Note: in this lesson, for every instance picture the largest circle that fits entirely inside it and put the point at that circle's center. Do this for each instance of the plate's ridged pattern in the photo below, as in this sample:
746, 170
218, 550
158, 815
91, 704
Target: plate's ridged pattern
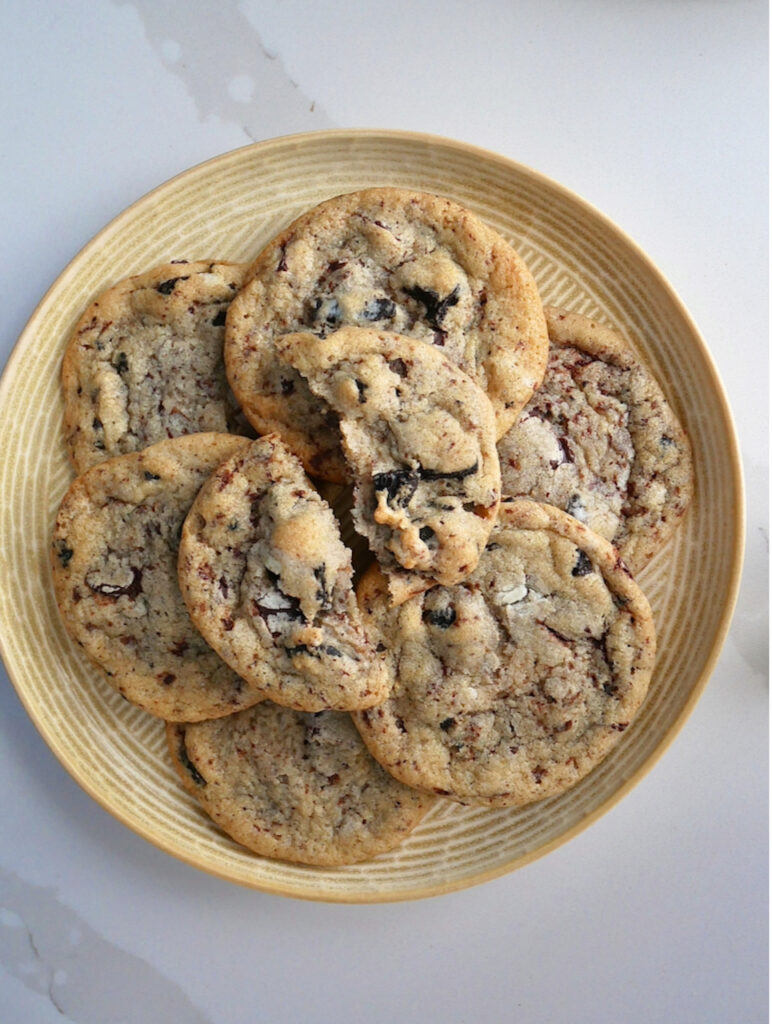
226, 209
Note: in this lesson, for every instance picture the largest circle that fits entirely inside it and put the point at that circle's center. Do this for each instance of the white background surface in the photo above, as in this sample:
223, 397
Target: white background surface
656, 112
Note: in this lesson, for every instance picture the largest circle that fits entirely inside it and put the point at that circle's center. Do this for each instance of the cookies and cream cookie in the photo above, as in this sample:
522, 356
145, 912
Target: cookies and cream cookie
420, 439
600, 440
145, 362
268, 581
512, 685
294, 785
398, 260
114, 563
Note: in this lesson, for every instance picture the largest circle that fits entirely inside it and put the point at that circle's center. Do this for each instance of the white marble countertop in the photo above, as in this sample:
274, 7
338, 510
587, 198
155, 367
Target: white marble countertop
653, 111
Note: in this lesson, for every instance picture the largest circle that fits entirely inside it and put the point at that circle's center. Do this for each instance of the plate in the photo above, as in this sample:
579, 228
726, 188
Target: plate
228, 208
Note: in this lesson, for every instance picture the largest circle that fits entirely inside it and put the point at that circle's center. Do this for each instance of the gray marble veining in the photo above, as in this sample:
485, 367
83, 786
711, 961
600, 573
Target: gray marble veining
87, 979
226, 69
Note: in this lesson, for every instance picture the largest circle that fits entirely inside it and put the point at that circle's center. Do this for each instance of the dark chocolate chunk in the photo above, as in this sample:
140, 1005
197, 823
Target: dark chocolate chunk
297, 649
314, 652
436, 308
97, 425
457, 474
322, 594
219, 320
65, 553
566, 454
399, 484
115, 590
583, 565
188, 765
291, 609
121, 363
440, 617
378, 309
326, 312
167, 287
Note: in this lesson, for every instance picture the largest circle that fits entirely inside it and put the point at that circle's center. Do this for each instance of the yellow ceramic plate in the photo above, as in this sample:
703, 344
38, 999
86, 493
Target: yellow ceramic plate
228, 208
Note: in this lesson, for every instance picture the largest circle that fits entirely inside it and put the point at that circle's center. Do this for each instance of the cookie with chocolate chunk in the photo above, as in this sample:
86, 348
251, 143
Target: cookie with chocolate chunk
145, 362
513, 685
114, 563
419, 436
268, 581
296, 786
599, 440
407, 262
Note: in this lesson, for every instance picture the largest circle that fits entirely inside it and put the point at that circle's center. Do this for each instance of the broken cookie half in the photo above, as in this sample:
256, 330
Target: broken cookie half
268, 582
419, 437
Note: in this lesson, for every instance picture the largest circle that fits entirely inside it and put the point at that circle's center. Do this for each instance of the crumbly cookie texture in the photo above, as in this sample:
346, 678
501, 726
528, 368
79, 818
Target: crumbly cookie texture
420, 438
407, 262
514, 684
268, 581
114, 563
293, 785
599, 440
145, 362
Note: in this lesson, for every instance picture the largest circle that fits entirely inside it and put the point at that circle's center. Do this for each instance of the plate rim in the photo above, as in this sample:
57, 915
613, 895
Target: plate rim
303, 139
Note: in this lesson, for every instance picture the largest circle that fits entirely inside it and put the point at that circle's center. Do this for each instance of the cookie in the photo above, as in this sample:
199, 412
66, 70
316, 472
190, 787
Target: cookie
268, 582
513, 685
296, 786
407, 262
114, 563
420, 438
145, 362
599, 440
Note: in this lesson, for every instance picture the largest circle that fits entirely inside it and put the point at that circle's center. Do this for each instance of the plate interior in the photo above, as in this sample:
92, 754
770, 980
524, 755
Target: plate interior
227, 209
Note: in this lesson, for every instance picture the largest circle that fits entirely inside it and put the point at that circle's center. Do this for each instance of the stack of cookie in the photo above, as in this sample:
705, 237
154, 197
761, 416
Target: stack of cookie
507, 470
